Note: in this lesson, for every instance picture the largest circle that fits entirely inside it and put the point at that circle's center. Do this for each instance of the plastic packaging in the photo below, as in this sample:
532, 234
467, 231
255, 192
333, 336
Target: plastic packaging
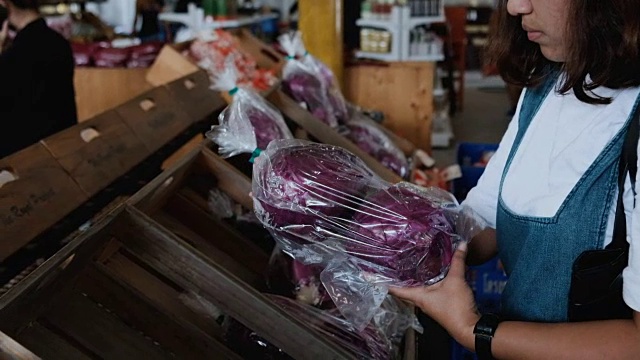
336, 99
301, 83
214, 50
293, 279
372, 140
248, 123
373, 342
325, 206
220, 204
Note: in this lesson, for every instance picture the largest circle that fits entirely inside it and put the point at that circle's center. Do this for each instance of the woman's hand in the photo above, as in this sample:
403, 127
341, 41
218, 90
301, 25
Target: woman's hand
449, 302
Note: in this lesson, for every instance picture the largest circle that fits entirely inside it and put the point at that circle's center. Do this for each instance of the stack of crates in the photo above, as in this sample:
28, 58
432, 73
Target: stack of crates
487, 280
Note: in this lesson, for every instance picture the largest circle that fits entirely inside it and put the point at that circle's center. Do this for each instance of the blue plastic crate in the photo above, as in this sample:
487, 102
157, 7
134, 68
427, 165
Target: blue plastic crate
469, 154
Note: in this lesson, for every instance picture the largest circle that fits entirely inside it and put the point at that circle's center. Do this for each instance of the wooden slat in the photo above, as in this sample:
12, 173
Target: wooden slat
49, 345
208, 248
187, 267
221, 236
230, 179
326, 134
184, 150
183, 339
169, 66
32, 296
102, 332
95, 164
156, 125
153, 195
160, 294
11, 350
98, 90
42, 195
193, 93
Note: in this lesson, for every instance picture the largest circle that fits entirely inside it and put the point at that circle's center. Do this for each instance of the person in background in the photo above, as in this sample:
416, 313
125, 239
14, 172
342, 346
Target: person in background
37, 97
556, 189
148, 11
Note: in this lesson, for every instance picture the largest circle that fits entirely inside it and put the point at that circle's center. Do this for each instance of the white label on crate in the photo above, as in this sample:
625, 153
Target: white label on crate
452, 172
424, 158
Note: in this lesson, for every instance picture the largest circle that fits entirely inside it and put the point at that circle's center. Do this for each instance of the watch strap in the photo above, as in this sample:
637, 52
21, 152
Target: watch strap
484, 330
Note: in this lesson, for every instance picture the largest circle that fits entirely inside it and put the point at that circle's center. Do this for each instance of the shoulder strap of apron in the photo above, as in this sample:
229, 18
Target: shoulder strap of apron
628, 163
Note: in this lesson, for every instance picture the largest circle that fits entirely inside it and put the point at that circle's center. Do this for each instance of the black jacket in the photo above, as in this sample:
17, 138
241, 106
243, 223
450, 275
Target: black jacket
37, 97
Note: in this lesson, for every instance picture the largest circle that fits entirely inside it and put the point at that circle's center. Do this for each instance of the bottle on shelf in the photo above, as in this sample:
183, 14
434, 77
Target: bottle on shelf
365, 10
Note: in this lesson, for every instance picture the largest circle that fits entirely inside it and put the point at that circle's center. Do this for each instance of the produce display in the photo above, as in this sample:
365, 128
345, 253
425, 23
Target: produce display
249, 122
324, 206
300, 81
217, 49
104, 55
372, 140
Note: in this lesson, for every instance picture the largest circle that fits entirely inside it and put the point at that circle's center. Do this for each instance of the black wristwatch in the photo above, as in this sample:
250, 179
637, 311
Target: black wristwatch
484, 330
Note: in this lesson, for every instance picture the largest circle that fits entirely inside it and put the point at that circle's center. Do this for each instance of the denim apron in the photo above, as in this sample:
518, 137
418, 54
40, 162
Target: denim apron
538, 252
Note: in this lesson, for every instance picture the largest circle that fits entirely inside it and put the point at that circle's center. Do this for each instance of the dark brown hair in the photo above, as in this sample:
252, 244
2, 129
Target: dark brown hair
26, 4
604, 43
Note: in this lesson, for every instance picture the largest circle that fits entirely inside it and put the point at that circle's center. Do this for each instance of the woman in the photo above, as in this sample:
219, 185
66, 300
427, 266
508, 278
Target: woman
550, 190
37, 97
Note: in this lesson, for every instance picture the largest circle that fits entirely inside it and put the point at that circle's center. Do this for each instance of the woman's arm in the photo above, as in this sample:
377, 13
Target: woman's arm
450, 303
482, 247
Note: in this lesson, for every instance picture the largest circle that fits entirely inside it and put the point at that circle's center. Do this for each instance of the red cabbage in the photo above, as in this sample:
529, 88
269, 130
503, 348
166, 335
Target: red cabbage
404, 231
376, 143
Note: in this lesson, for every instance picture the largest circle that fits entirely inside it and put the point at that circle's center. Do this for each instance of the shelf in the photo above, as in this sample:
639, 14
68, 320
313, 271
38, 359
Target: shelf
383, 24
424, 20
432, 58
188, 19
377, 56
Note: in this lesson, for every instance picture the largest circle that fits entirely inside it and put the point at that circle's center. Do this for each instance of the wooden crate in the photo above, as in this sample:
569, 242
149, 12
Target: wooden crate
40, 195
97, 152
193, 93
130, 289
99, 90
403, 91
155, 117
177, 201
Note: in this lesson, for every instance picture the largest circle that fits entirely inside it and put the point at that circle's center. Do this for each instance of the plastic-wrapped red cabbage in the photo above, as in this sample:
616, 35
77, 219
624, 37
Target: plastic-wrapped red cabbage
376, 143
304, 87
404, 231
249, 122
266, 127
82, 53
298, 181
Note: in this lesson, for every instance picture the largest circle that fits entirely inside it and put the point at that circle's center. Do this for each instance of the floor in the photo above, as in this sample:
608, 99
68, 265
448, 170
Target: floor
482, 120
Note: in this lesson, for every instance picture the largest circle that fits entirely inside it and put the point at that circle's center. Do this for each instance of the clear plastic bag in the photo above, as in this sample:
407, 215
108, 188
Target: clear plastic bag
324, 206
220, 204
334, 95
248, 123
373, 140
301, 83
291, 278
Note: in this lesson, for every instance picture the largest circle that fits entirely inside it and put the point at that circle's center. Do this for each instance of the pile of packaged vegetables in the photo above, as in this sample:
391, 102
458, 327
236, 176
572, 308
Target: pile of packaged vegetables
104, 55
216, 50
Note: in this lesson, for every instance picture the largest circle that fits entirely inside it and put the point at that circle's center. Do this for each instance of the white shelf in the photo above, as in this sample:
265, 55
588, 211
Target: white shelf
432, 58
193, 20
382, 24
377, 56
423, 20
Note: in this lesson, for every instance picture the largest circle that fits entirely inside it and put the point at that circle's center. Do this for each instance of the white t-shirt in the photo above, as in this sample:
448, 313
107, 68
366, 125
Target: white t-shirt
562, 141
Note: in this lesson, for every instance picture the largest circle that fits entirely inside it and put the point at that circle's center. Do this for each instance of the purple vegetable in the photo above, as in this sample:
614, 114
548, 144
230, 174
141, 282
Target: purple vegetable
404, 231
265, 127
304, 87
376, 143
303, 181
